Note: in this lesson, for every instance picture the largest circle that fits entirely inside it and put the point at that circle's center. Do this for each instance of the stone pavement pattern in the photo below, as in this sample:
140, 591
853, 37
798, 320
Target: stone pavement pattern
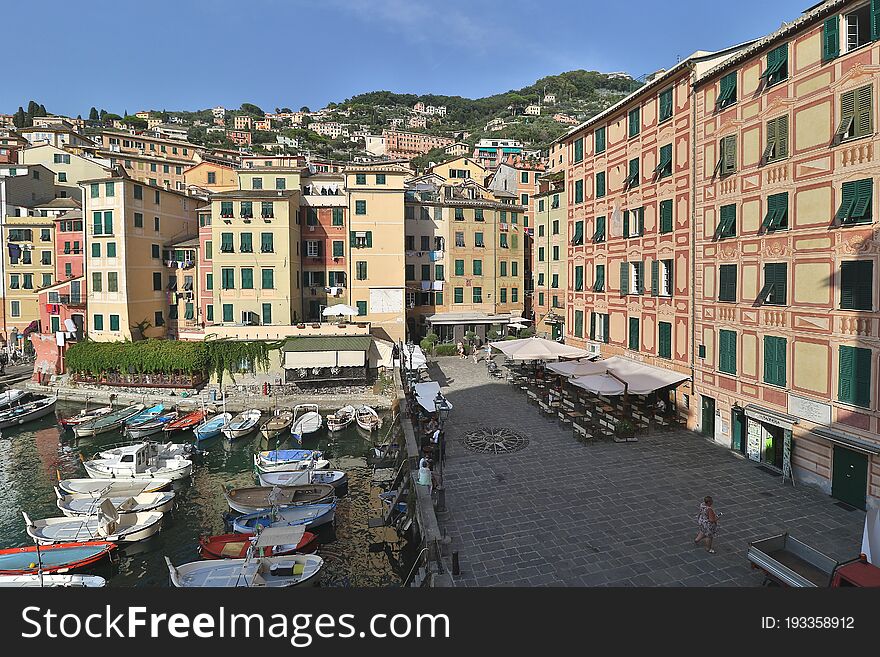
562, 513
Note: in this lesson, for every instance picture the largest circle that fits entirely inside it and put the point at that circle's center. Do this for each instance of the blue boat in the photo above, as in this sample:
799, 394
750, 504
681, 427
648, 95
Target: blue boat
277, 456
213, 427
308, 515
146, 414
60, 558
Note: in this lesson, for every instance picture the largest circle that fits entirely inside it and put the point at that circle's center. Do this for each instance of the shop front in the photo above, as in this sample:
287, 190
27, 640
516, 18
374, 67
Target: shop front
850, 464
767, 436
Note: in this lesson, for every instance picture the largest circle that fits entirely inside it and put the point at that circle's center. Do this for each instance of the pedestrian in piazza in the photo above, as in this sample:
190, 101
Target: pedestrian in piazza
461, 350
707, 519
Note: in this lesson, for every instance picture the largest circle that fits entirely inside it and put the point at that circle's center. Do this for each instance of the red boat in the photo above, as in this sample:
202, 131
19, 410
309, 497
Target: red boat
187, 421
235, 546
59, 558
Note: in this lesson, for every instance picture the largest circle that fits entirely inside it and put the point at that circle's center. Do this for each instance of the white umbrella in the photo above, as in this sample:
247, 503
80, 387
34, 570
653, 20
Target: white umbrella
418, 358
340, 309
537, 349
574, 368
426, 395
599, 384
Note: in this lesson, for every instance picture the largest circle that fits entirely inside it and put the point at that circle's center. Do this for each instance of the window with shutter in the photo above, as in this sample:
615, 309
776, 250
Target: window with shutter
665, 105
856, 114
777, 139
633, 179
666, 216
634, 333
664, 339
578, 238
635, 121
857, 285
727, 351
624, 278
578, 191
579, 278
774, 360
664, 165
599, 140
655, 278
599, 234
856, 202
854, 381
578, 150
726, 221
777, 213
774, 291
726, 91
777, 65
599, 285
578, 323
727, 160
727, 283
831, 38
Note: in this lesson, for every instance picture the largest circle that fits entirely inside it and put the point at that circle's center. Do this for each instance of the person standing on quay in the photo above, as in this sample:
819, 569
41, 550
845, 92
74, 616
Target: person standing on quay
707, 519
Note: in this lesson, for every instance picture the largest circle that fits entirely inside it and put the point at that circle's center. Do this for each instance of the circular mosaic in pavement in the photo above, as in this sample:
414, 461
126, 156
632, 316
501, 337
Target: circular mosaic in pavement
494, 440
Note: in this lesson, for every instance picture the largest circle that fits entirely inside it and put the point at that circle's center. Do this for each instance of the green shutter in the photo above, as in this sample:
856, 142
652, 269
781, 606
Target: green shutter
634, 333
655, 278
664, 340
729, 154
592, 324
606, 321
831, 38
352, 239
579, 278
666, 216
856, 285
578, 323
626, 223
774, 360
875, 19
624, 278
854, 383
863, 117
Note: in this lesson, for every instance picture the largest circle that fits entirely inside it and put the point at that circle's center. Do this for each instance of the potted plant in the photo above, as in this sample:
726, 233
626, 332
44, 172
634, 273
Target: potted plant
625, 430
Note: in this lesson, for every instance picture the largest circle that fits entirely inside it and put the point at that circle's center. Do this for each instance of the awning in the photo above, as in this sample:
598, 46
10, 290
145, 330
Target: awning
847, 440
426, 394
643, 379
326, 351
768, 416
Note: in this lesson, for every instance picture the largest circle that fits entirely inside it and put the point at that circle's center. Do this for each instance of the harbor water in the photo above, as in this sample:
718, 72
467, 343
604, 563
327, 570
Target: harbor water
33, 456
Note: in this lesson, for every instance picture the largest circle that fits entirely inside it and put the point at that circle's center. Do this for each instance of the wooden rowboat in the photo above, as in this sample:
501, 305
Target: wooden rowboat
57, 558
255, 498
235, 546
277, 424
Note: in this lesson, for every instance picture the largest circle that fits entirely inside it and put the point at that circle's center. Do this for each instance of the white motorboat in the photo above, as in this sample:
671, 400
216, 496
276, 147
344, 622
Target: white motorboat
336, 478
106, 423
306, 420
340, 419
254, 570
51, 581
10, 397
242, 424
105, 525
112, 487
165, 450
139, 461
17, 415
87, 505
367, 418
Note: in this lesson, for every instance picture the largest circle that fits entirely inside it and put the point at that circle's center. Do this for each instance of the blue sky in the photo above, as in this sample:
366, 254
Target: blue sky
184, 54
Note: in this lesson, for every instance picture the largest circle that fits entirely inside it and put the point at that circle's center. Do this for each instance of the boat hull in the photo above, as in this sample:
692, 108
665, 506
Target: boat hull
52, 581
248, 523
58, 558
240, 573
336, 478
235, 546
163, 504
100, 472
30, 416
121, 486
84, 531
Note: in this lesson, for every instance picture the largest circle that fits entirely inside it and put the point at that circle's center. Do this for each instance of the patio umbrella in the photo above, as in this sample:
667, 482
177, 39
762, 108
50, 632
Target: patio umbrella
537, 349
599, 384
418, 358
339, 310
583, 367
426, 395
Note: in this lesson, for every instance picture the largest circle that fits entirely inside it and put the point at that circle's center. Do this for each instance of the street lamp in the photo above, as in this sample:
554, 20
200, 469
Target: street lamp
441, 407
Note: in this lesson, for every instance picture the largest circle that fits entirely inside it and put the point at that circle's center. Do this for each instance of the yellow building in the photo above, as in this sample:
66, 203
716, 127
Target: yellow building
211, 177
256, 260
376, 261
550, 256
30, 265
69, 168
460, 169
127, 225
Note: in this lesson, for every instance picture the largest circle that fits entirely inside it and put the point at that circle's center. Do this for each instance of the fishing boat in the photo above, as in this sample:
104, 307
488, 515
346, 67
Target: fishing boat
139, 461
367, 418
278, 460
307, 515
112, 487
86, 505
255, 570
57, 558
213, 427
11, 396
17, 415
109, 422
340, 419
306, 420
235, 546
146, 414
151, 427
51, 581
84, 416
256, 498
185, 421
162, 449
277, 424
105, 525
242, 424
336, 478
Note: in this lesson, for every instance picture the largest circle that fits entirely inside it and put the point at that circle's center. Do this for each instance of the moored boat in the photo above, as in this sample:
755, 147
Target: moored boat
235, 546
367, 418
56, 558
52, 581
308, 515
84, 416
105, 525
340, 419
113, 486
86, 505
150, 427
139, 461
277, 424
17, 415
336, 478
306, 420
242, 424
254, 570
106, 423
278, 460
256, 498
185, 421
213, 427
146, 414
11, 396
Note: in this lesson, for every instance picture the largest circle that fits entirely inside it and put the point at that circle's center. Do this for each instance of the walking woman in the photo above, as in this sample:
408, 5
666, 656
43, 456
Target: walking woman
707, 519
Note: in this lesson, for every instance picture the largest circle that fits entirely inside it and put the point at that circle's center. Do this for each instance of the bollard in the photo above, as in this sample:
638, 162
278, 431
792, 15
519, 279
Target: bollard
455, 568
441, 499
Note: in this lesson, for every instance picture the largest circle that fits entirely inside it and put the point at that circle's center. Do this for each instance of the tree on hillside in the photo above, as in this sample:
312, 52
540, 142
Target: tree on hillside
110, 118
19, 119
135, 122
262, 136
249, 108
93, 114
101, 115
305, 108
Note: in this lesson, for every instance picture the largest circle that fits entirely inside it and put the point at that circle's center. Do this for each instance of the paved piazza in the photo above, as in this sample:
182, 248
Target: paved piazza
561, 513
